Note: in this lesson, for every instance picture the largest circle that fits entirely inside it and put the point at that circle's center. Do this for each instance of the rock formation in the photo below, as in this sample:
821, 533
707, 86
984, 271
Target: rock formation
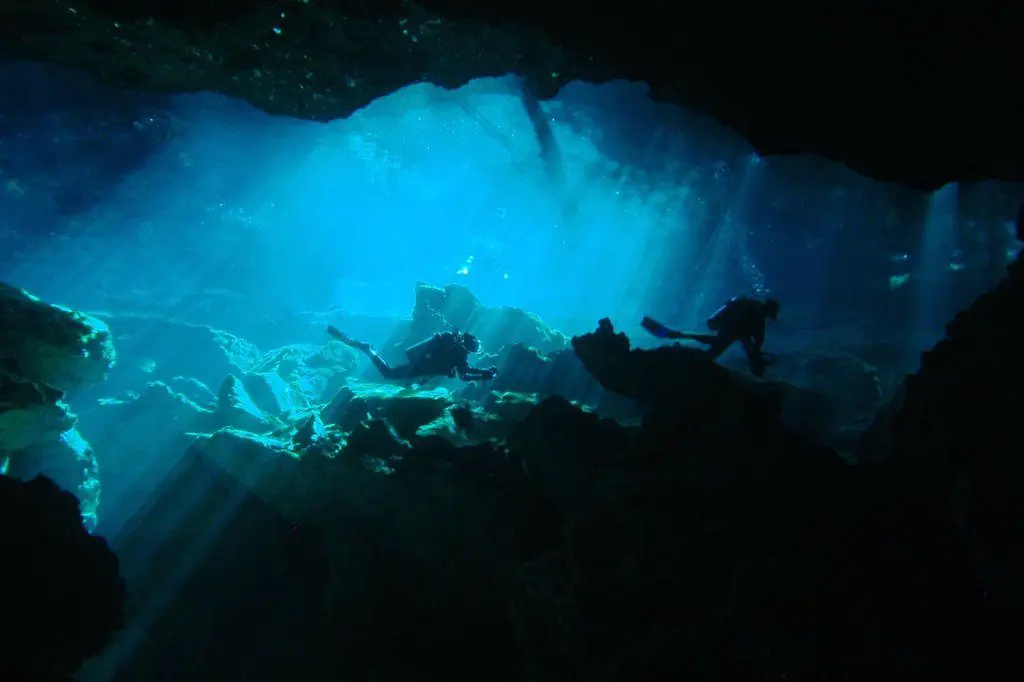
63, 596
47, 351
523, 536
763, 69
431, 532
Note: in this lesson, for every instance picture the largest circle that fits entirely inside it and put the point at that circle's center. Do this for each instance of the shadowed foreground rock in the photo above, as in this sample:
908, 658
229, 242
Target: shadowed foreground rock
707, 541
961, 416
63, 598
917, 106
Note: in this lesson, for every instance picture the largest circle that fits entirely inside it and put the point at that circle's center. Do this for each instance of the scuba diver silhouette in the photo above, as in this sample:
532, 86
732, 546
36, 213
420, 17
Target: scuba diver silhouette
740, 319
444, 354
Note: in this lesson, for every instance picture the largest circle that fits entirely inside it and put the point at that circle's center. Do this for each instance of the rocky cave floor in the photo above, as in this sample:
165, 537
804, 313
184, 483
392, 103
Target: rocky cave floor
597, 512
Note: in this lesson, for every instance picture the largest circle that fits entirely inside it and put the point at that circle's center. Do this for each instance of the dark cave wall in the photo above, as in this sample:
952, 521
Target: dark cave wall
934, 99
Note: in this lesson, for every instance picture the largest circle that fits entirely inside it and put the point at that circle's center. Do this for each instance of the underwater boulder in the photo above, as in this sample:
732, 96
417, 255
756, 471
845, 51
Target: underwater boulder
237, 409
454, 306
312, 373
272, 394
309, 432
706, 395
524, 369
463, 424
45, 352
701, 392
53, 345
512, 406
405, 408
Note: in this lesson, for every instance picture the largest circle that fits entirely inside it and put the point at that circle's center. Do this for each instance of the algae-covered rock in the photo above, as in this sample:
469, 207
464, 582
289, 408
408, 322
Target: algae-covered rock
51, 344
30, 412
454, 306
312, 373
272, 394
46, 351
236, 408
405, 408
69, 461
299, 485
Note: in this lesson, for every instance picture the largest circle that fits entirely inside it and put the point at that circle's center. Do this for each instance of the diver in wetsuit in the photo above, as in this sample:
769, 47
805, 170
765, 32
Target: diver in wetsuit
741, 319
441, 355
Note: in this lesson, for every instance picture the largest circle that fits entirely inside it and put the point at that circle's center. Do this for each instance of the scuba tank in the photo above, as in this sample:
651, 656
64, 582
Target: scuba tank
717, 318
418, 351
429, 346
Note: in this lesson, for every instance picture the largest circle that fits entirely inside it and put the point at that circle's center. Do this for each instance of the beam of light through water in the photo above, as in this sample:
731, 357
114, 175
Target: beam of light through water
250, 233
245, 222
934, 274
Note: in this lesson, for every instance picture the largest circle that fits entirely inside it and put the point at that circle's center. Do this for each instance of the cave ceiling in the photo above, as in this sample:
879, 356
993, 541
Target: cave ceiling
914, 92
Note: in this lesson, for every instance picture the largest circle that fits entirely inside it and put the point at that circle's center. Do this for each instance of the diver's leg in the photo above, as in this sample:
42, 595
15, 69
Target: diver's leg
348, 340
707, 339
719, 345
755, 359
383, 366
387, 370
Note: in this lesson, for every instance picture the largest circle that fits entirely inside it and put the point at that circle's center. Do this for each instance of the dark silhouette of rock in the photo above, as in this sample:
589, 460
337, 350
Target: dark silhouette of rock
899, 93
960, 420
63, 597
402, 534
708, 541
220, 586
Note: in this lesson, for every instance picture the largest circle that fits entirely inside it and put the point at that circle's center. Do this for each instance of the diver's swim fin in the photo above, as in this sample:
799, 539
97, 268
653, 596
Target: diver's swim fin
662, 332
658, 329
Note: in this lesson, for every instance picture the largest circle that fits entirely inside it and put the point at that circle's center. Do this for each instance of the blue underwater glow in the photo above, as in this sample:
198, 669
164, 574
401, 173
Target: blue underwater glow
244, 264
606, 205
639, 207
